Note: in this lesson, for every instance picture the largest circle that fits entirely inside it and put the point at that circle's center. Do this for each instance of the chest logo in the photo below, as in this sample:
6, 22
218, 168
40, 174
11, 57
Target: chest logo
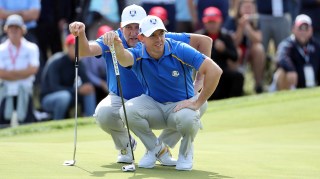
175, 73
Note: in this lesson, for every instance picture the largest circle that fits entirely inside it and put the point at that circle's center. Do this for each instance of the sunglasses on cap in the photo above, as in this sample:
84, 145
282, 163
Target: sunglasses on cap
304, 27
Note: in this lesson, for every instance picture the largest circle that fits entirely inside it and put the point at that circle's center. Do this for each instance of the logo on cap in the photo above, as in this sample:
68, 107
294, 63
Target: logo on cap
133, 13
153, 21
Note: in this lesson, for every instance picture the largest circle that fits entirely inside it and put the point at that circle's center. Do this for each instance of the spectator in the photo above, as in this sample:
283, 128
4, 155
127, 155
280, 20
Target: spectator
233, 6
96, 69
271, 14
298, 58
184, 20
169, 5
101, 12
174, 105
246, 33
58, 84
19, 62
224, 53
312, 9
161, 13
294, 7
200, 5
29, 10
48, 31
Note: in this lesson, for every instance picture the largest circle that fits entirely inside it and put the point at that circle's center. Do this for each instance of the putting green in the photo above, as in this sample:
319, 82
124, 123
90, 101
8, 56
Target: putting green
264, 136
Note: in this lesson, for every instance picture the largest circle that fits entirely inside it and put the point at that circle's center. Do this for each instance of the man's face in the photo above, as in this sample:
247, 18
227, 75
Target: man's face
213, 27
14, 32
130, 33
155, 43
247, 7
302, 33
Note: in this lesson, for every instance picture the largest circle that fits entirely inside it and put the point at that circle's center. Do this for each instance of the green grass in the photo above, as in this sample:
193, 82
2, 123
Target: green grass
273, 135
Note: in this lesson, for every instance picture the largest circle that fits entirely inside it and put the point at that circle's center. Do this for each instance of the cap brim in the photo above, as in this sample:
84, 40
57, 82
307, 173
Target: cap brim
129, 22
298, 24
23, 27
150, 31
211, 19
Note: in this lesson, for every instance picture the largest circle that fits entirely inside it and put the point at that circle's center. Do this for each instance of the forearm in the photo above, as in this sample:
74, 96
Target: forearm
198, 82
212, 73
84, 48
204, 45
254, 36
124, 57
29, 15
238, 36
193, 12
18, 74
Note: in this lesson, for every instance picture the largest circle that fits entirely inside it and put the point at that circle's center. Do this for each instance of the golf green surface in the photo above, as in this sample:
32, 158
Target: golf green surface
270, 136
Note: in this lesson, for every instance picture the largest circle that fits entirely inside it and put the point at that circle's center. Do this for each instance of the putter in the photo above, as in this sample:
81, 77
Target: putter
131, 167
73, 161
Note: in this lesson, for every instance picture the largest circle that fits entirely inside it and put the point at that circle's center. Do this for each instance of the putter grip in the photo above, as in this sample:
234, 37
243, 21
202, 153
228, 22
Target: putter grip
114, 59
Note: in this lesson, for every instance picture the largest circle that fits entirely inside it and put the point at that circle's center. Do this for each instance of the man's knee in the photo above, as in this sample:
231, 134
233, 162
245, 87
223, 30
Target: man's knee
104, 114
129, 111
106, 117
188, 121
64, 98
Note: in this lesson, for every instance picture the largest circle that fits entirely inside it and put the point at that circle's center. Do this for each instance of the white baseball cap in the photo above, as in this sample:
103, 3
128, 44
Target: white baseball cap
132, 14
150, 24
14, 19
302, 19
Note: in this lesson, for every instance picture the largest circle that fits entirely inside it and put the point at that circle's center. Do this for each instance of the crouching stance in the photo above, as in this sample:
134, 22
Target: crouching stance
171, 102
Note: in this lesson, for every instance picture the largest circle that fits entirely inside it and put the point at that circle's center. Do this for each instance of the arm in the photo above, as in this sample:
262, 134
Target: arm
85, 48
254, 35
225, 46
27, 15
13, 75
201, 43
30, 15
244, 27
238, 34
193, 13
204, 45
283, 56
198, 83
124, 57
212, 73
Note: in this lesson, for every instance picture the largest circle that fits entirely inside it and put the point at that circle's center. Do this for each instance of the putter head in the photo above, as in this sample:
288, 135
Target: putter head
129, 168
69, 163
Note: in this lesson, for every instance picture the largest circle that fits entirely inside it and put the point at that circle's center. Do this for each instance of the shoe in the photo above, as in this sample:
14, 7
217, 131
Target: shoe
185, 162
258, 89
160, 153
125, 155
165, 158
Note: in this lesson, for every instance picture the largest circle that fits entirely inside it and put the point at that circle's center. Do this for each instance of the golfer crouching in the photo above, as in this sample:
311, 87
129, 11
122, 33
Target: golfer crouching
164, 68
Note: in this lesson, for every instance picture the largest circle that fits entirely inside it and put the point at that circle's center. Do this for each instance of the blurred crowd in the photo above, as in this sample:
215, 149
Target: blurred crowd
270, 44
